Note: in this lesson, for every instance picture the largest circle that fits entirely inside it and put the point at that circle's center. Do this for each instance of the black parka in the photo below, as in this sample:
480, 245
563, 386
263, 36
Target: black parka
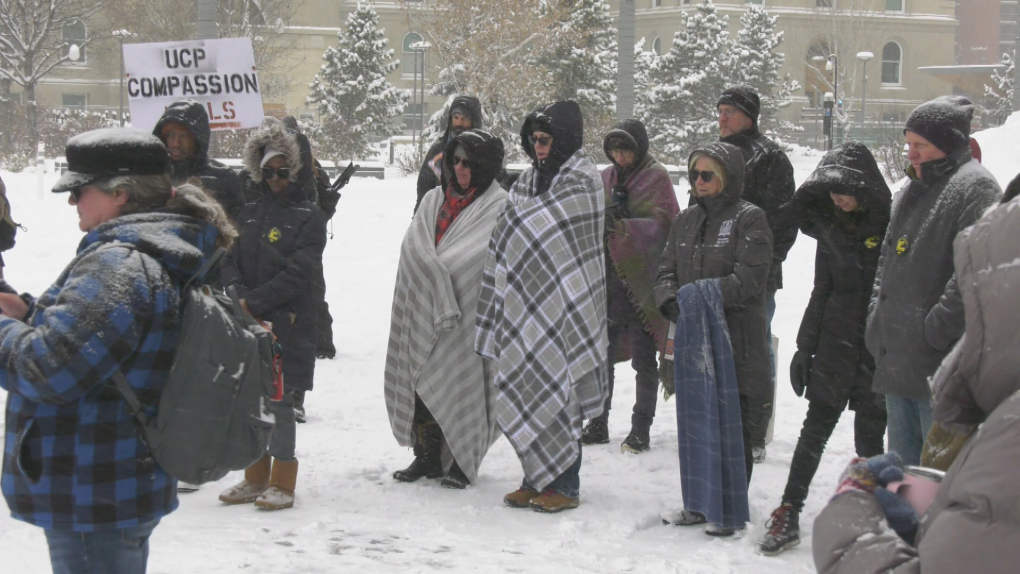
427, 178
277, 259
725, 236
220, 182
846, 258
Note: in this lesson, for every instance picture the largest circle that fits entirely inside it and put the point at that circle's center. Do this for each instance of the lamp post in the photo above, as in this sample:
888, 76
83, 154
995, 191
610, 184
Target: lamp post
827, 121
418, 48
864, 57
120, 35
831, 65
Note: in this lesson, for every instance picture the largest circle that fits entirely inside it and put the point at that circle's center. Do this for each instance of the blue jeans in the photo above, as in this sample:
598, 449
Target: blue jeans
568, 483
123, 551
909, 423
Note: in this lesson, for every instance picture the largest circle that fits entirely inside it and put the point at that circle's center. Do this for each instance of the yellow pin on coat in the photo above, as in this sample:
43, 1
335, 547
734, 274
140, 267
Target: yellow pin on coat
902, 245
274, 235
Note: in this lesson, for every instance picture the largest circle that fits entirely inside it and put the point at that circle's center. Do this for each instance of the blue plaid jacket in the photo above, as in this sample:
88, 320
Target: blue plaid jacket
73, 456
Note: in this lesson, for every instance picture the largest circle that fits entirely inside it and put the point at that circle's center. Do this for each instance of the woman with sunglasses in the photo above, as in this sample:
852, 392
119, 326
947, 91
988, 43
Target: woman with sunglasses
721, 246
438, 390
274, 266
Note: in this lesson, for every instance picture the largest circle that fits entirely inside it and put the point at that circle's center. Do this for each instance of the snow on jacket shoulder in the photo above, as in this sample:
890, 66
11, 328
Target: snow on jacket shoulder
73, 456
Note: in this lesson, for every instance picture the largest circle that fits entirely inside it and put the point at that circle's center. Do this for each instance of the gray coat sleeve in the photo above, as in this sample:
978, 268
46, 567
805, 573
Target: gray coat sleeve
851, 536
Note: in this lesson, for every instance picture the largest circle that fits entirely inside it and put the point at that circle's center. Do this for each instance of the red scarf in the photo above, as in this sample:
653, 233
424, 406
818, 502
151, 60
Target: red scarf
454, 204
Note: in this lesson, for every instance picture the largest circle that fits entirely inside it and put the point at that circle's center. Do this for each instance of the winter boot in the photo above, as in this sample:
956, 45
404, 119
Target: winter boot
520, 498
758, 453
280, 494
186, 487
784, 531
551, 501
299, 407
427, 461
636, 442
720, 531
685, 518
256, 481
595, 432
455, 478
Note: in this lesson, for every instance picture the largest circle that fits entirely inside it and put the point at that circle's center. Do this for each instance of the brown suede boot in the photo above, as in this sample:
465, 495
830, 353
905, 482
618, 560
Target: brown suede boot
256, 481
520, 498
552, 501
280, 494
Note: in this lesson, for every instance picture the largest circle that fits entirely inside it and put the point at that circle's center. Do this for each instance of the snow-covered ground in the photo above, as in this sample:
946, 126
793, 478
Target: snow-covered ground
351, 516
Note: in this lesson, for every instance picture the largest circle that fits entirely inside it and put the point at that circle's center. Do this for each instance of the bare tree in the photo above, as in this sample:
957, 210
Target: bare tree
32, 44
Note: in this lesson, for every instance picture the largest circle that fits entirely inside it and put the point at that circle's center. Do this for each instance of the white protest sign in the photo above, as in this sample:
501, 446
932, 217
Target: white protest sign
220, 74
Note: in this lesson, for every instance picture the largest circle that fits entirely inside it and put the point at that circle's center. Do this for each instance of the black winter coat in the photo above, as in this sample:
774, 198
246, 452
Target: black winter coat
220, 182
768, 184
725, 236
846, 259
427, 178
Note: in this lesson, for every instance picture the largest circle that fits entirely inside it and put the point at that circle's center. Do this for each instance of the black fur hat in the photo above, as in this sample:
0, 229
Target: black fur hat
110, 152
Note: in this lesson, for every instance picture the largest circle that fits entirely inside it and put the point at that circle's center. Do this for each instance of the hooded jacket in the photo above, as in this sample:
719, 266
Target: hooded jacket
724, 236
564, 122
635, 243
221, 183
484, 150
276, 262
846, 258
916, 313
768, 184
972, 524
74, 458
427, 178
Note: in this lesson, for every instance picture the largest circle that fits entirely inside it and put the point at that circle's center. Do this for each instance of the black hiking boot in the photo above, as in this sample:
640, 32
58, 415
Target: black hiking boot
595, 432
636, 442
455, 478
427, 460
784, 531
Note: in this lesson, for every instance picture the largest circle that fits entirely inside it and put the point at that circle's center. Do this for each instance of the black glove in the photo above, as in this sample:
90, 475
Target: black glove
618, 203
800, 371
670, 310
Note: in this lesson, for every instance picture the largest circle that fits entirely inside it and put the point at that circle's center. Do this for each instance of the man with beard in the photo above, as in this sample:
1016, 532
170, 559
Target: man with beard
465, 114
184, 129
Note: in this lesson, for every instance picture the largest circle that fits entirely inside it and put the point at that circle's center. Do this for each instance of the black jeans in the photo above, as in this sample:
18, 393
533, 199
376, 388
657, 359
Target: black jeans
643, 359
753, 419
869, 437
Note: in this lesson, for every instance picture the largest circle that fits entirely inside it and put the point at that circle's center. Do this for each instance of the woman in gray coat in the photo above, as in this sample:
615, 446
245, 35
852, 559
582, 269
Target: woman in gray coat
972, 524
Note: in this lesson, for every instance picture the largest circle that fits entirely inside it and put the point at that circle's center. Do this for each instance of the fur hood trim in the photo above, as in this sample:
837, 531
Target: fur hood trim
272, 132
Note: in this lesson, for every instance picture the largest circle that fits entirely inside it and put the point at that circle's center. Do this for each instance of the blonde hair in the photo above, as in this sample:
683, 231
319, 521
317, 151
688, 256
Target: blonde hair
154, 193
713, 165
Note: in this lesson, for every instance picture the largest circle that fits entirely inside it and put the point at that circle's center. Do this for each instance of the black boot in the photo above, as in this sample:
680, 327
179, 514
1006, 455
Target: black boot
784, 531
455, 478
427, 460
637, 441
299, 407
595, 432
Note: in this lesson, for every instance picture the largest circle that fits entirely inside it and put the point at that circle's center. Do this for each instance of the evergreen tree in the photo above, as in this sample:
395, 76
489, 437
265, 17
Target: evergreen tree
999, 98
351, 91
757, 64
679, 110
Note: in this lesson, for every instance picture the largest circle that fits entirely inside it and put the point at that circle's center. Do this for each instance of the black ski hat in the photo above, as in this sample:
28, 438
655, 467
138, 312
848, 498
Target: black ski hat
944, 121
484, 150
744, 98
630, 135
110, 152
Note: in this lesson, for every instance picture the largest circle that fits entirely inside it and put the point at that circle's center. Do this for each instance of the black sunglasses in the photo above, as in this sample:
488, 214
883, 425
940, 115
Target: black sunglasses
282, 173
76, 194
468, 164
540, 140
706, 176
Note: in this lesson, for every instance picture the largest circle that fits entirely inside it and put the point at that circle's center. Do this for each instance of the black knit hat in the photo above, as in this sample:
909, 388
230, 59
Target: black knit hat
944, 121
111, 152
744, 98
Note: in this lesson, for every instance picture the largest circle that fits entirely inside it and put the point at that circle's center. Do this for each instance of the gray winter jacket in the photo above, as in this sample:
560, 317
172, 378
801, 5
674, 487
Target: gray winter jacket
973, 525
916, 313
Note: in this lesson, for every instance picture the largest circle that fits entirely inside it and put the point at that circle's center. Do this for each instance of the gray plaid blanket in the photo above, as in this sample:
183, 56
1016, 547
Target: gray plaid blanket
542, 315
432, 330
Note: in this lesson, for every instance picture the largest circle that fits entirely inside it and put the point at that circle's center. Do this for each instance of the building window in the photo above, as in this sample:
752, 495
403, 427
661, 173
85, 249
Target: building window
823, 3
656, 3
416, 115
893, 5
74, 100
892, 64
754, 1
74, 32
408, 57
657, 46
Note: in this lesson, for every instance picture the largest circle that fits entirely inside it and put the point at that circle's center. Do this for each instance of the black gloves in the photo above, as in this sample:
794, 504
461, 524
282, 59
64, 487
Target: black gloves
800, 371
670, 310
617, 207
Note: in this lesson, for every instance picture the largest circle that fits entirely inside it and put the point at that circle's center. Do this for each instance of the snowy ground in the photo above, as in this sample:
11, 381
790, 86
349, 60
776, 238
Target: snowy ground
350, 514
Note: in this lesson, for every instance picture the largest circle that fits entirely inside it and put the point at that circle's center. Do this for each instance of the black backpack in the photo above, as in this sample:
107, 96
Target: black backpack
213, 414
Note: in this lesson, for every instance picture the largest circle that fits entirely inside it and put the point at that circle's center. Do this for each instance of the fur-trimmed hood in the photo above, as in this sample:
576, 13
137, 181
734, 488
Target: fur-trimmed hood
272, 132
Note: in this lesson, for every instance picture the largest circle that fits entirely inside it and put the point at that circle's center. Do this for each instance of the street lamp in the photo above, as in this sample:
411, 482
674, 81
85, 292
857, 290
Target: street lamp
864, 57
120, 35
418, 48
827, 120
831, 65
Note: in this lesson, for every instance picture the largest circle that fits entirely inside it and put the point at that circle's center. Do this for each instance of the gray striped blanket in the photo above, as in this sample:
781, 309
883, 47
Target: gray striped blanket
542, 315
432, 329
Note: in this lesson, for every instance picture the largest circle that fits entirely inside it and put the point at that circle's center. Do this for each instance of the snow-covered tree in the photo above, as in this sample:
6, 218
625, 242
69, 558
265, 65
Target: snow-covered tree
999, 97
351, 91
679, 109
757, 63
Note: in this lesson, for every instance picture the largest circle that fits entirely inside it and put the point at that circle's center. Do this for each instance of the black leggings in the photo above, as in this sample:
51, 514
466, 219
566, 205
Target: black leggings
869, 440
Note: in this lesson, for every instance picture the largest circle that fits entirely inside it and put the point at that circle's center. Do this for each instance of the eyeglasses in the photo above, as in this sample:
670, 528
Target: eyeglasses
282, 173
728, 113
706, 176
540, 140
468, 164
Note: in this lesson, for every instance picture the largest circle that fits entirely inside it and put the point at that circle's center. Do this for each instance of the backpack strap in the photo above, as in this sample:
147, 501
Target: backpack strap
212, 263
130, 397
